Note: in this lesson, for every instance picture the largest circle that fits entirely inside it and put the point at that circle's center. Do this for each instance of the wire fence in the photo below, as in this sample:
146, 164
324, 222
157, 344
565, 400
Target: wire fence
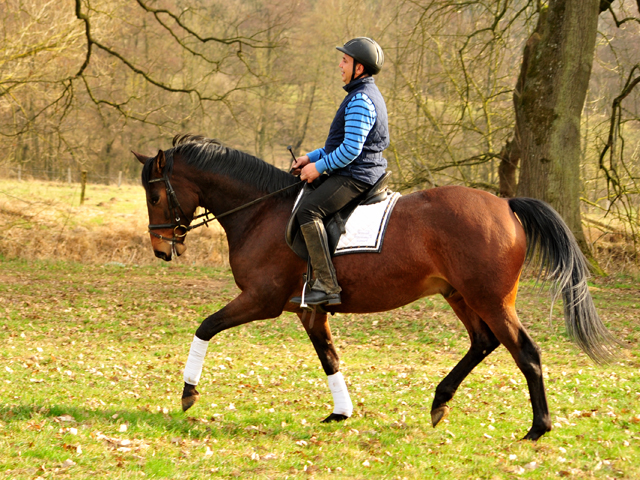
69, 175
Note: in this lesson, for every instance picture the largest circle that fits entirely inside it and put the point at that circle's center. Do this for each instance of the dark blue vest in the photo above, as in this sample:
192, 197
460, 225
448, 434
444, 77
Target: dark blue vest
370, 165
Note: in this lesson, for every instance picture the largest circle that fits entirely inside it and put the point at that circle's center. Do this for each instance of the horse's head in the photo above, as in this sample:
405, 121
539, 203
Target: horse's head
170, 202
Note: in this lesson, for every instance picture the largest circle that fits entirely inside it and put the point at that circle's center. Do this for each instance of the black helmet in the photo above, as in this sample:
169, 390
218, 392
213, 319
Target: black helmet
366, 52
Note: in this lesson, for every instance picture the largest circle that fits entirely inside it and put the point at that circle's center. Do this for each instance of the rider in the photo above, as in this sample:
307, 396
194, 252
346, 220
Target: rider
352, 158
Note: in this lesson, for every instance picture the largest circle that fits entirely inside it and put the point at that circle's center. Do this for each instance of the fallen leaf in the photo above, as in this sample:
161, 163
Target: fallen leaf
64, 418
517, 469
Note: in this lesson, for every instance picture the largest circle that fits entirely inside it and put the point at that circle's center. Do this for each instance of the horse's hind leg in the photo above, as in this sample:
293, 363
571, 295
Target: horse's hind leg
317, 327
508, 329
483, 342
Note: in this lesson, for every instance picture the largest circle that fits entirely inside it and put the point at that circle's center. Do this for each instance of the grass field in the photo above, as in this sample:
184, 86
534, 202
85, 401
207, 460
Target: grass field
91, 360
96, 332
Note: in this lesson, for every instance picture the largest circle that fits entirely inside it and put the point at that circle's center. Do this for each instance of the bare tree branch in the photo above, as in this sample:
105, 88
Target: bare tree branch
611, 172
92, 41
87, 26
240, 40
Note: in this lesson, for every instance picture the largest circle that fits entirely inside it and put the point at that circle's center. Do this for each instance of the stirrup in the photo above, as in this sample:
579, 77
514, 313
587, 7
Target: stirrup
317, 297
301, 299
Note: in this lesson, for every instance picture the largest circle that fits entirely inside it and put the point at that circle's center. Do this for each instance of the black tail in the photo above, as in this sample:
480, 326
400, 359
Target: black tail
552, 246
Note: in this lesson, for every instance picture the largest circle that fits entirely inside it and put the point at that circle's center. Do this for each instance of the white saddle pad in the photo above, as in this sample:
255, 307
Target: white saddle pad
366, 227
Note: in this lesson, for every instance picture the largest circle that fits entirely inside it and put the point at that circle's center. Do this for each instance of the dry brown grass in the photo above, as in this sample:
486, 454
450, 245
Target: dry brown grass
43, 220
613, 246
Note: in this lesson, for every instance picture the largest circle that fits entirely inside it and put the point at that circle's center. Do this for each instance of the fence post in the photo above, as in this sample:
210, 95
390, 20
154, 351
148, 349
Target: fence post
84, 185
69, 175
19, 173
119, 178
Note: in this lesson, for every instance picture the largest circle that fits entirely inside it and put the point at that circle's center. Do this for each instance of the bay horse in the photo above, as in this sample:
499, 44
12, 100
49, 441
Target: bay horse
467, 245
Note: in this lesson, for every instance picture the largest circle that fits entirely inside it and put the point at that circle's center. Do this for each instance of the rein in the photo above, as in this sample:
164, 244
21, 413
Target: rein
176, 210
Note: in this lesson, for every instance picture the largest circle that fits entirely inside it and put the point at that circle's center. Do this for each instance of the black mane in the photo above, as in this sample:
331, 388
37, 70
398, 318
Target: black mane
210, 155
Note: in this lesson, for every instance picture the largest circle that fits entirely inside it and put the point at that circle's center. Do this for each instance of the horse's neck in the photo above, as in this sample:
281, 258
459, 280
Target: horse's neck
251, 210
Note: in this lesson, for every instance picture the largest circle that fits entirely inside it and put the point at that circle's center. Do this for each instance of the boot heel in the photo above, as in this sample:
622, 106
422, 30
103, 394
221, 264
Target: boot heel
335, 301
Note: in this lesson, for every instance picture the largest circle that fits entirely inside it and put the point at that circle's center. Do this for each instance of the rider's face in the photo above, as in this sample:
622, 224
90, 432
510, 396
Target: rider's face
346, 68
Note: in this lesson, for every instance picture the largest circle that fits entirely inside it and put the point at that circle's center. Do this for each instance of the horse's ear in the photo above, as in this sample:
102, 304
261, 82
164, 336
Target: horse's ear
141, 158
160, 162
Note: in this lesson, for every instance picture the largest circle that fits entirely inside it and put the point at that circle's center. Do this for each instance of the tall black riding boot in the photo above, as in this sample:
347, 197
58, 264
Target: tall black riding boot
325, 289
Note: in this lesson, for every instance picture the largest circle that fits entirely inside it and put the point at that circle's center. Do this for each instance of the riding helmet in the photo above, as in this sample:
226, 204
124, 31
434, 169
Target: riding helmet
366, 52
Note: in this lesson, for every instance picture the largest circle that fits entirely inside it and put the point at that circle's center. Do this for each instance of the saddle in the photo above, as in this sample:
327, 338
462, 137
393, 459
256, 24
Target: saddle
334, 224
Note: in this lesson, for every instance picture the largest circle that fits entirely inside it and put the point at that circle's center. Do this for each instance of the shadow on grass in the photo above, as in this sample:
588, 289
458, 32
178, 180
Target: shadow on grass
174, 423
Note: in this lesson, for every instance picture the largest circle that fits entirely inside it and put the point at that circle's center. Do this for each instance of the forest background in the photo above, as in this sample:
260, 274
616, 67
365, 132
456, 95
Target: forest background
84, 82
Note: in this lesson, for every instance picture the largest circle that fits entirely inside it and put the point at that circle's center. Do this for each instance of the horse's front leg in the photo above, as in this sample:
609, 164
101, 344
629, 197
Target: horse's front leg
241, 310
317, 327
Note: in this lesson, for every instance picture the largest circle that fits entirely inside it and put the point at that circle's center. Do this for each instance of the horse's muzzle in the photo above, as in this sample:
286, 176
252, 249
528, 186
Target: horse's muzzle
163, 255
165, 250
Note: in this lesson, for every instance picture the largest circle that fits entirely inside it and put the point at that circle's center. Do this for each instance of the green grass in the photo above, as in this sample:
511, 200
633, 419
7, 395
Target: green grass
91, 361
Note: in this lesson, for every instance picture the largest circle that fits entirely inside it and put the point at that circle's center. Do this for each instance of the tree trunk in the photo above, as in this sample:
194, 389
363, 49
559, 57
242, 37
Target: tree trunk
548, 102
509, 159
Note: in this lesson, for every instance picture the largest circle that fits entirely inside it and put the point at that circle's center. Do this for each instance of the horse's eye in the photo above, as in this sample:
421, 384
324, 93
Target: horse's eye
155, 199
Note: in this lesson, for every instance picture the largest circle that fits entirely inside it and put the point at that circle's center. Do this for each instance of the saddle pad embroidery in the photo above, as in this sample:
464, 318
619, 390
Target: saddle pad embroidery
366, 227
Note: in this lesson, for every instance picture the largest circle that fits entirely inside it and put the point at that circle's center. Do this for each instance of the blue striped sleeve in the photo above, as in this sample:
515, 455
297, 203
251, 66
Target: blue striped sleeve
316, 155
360, 115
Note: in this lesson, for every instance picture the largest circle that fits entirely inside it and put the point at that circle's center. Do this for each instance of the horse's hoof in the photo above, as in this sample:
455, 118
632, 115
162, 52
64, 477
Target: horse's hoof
187, 402
439, 414
189, 396
532, 437
335, 417
535, 433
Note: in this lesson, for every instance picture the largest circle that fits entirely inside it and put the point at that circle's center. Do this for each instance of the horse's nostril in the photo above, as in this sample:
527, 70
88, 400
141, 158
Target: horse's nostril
163, 255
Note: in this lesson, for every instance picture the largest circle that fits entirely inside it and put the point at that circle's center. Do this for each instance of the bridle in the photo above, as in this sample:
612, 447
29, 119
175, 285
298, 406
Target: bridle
177, 213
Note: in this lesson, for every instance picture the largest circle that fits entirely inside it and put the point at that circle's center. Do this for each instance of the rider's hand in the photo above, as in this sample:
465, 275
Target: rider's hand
309, 173
298, 164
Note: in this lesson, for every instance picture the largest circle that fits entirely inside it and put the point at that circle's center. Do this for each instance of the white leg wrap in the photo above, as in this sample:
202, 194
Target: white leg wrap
341, 399
193, 369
